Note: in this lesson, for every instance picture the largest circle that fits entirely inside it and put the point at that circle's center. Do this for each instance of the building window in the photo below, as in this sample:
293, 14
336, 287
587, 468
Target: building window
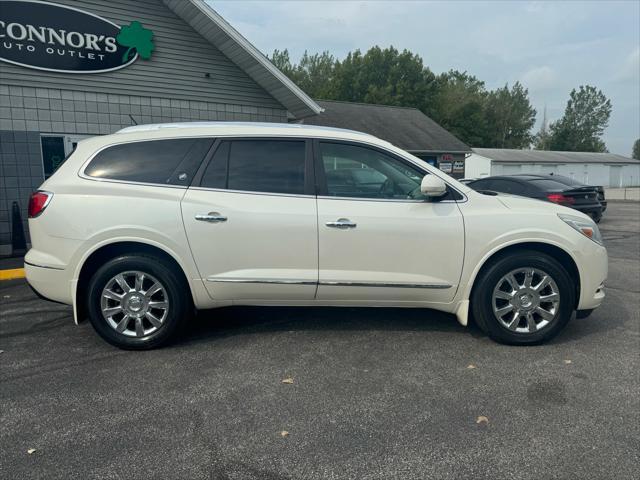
53, 154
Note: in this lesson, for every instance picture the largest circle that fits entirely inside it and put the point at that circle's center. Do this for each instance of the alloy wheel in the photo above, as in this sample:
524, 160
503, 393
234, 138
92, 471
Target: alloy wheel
526, 300
134, 303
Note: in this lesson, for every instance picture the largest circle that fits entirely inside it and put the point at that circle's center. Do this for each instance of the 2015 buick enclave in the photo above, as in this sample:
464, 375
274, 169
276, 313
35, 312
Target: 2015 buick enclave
139, 228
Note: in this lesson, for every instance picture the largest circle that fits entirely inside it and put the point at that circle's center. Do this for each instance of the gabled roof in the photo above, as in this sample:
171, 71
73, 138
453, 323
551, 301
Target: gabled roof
506, 155
407, 128
208, 23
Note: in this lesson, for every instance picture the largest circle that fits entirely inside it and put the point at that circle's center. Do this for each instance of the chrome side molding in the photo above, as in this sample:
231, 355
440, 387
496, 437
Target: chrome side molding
262, 280
329, 283
437, 286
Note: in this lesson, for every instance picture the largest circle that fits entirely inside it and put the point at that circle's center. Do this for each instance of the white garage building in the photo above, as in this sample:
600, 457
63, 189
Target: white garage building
606, 169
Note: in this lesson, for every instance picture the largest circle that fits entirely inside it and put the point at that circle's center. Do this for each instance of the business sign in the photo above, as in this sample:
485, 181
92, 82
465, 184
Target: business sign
458, 166
57, 38
445, 167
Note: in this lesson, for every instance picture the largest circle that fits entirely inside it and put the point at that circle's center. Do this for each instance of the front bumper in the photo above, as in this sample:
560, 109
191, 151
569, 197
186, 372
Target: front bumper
593, 264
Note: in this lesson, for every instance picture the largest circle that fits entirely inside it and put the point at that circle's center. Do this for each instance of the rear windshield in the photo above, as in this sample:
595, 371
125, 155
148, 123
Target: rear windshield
567, 180
172, 162
548, 184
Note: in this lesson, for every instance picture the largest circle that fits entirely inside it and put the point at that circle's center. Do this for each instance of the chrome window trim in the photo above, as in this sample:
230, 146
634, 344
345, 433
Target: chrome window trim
223, 190
213, 136
86, 163
395, 200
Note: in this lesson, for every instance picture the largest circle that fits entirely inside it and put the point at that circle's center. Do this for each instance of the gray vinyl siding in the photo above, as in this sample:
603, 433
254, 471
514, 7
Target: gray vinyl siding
170, 87
176, 69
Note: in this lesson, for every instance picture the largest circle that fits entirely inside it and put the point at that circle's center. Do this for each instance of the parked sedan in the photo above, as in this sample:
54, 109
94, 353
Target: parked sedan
138, 229
544, 187
575, 183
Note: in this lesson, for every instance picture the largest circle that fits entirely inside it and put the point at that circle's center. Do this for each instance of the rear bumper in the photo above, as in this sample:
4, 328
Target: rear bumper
49, 283
589, 208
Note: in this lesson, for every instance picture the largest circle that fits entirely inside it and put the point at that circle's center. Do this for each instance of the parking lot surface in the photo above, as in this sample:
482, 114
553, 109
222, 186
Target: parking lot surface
376, 393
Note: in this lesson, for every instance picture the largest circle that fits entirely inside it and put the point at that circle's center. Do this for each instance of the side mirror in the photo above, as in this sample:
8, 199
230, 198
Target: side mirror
433, 187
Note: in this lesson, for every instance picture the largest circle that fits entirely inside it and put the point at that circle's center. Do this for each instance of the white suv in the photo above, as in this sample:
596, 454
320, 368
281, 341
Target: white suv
138, 229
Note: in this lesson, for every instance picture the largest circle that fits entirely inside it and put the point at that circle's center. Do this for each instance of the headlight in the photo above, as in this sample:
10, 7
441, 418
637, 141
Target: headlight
588, 228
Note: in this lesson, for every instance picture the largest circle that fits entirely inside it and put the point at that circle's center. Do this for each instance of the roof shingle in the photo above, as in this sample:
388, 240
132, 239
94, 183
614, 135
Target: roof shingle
407, 128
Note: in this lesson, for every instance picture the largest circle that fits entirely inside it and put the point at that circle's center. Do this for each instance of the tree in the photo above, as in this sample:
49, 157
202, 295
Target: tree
282, 62
316, 74
636, 150
384, 76
509, 118
457, 102
585, 119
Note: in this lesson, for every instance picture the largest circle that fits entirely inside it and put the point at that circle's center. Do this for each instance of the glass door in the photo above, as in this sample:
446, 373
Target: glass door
56, 149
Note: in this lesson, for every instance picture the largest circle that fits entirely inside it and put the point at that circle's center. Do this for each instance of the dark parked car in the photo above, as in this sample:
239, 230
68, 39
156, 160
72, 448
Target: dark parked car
575, 183
545, 187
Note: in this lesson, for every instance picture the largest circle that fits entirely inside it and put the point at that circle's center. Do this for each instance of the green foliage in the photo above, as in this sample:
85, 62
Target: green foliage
510, 117
383, 76
585, 118
135, 36
460, 102
636, 150
457, 102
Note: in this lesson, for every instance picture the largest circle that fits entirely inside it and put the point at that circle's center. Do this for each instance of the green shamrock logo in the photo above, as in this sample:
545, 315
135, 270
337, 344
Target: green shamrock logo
137, 38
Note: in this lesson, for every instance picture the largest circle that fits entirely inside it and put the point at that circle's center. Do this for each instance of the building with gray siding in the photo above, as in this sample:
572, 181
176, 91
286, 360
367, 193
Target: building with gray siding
198, 68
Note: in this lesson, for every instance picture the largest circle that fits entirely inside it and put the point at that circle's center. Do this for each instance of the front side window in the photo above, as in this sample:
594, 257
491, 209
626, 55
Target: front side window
361, 172
270, 166
172, 162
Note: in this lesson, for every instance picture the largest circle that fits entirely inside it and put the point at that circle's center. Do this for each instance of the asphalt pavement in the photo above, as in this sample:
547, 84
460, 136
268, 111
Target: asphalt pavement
376, 393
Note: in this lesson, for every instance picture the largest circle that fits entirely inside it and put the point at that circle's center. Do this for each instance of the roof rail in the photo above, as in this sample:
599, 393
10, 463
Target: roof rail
160, 126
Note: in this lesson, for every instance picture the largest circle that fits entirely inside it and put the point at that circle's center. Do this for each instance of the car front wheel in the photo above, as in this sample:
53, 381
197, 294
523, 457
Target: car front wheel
523, 298
138, 302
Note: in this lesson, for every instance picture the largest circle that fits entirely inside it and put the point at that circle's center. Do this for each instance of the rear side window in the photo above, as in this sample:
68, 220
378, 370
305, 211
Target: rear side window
270, 166
172, 162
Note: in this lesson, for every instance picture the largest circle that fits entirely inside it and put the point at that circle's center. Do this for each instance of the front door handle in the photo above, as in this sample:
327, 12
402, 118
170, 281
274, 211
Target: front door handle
211, 217
341, 223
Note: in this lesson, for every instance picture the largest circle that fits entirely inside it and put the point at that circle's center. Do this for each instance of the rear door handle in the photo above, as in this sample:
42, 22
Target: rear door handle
211, 217
342, 223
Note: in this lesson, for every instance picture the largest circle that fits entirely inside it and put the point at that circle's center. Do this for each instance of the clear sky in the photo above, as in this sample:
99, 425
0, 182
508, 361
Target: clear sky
551, 47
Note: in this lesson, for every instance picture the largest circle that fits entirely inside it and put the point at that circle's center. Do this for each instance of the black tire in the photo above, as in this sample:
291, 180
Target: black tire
179, 300
482, 297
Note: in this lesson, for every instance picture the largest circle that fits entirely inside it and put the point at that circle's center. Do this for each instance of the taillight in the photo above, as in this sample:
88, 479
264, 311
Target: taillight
38, 202
560, 198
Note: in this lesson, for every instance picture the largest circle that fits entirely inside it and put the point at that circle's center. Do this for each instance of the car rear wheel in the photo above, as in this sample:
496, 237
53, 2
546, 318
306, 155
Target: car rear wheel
138, 302
523, 298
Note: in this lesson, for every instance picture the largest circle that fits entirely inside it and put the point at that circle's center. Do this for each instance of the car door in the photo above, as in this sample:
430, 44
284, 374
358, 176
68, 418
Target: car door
251, 220
383, 244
